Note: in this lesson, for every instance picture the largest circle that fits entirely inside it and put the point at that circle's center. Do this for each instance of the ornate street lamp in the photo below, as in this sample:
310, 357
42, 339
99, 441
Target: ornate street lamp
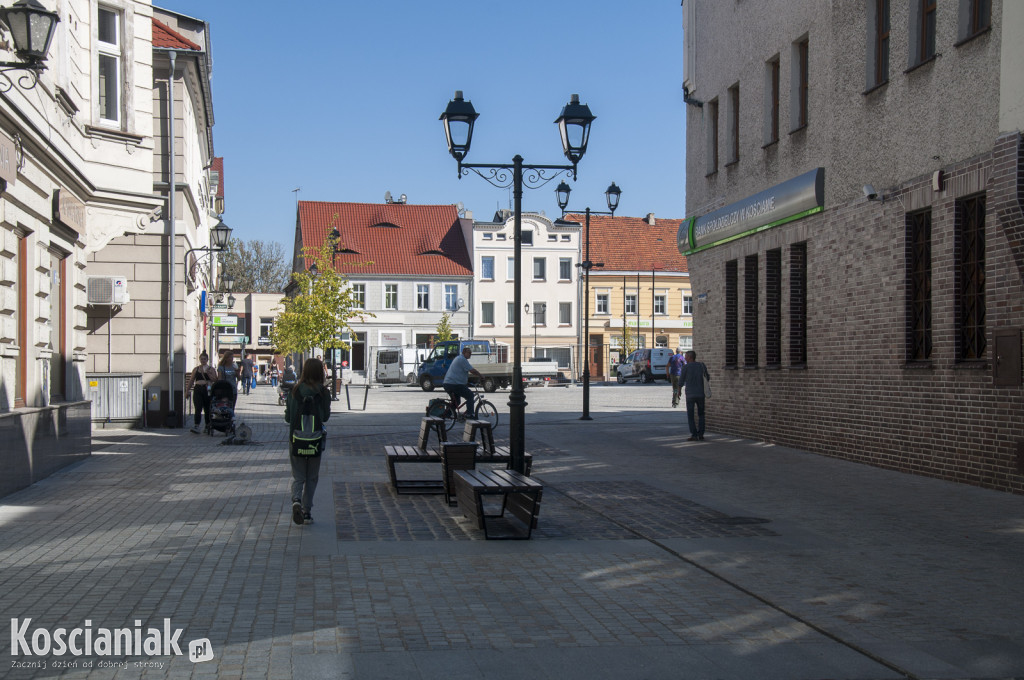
31, 26
611, 195
574, 128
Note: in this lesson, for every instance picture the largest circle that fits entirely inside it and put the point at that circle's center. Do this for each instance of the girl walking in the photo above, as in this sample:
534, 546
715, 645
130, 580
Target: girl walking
306, 468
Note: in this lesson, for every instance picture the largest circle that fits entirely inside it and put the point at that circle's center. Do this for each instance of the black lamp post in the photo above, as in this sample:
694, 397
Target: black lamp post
611, 195
574, 128
31, 27
219, 237
334, 238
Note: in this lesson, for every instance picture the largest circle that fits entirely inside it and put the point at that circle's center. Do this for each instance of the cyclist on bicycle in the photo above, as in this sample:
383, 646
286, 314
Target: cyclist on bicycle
456, 381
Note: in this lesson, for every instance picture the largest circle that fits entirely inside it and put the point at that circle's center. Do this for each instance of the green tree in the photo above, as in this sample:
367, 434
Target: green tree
628, 338
258, 266
444, 328
323, 308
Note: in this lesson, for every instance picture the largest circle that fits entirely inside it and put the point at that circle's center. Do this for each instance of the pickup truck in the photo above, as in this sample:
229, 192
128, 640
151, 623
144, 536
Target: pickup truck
495, 374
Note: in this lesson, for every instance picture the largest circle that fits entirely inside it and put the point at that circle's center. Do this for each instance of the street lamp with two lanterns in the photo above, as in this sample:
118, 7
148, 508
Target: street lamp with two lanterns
574, 123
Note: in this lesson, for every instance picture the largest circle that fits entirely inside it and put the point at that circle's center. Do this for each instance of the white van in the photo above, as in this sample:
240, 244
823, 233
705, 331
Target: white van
645, 365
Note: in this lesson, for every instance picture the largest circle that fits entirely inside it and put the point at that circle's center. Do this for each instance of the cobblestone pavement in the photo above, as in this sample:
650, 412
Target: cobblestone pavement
654, 558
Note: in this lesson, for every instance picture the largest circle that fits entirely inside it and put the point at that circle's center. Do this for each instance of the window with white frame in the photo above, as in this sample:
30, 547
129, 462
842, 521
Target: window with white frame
564, 313
539, 268
487, 267
390, 296
422, 296
451, 297
266, 324
359, 295
488, 237
510, 313
659, 304
526, 237
510, 272
602, 307
109, 64
565, 269
486, 313
631, 303
687, 305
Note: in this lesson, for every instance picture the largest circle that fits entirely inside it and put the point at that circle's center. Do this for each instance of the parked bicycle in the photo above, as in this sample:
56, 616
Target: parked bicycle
452, 414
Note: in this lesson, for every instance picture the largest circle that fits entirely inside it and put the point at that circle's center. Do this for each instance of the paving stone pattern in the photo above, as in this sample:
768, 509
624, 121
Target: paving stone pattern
636, 571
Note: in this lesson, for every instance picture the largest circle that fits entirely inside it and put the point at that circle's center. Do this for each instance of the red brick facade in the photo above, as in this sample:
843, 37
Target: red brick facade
858, 397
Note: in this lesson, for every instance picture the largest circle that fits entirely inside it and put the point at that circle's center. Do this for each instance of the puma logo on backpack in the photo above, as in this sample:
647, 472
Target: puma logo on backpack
307, 433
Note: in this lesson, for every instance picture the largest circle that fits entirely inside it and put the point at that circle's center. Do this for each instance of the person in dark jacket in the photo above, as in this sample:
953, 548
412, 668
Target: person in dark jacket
693, 376
306, 469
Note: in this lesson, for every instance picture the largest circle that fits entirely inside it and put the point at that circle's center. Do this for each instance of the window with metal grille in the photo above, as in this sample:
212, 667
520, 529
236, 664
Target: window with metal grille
750, 320
919, 286
970, 284
731, 314
798, 304
773, 308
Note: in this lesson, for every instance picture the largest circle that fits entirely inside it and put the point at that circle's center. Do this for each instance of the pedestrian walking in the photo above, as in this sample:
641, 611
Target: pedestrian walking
674, 371
199, 381
246, 371
227, 370
307, 409
693, 376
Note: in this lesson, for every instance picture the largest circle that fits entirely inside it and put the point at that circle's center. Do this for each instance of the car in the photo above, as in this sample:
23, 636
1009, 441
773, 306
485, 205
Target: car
645, 365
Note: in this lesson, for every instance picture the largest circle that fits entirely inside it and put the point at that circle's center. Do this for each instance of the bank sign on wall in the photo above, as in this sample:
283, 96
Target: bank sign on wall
792, 200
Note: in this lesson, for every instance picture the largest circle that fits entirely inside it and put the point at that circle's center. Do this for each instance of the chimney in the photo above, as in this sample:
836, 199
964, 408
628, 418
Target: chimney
650, 219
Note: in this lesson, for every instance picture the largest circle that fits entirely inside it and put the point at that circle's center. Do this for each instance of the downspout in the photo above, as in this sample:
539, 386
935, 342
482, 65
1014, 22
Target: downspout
171, 415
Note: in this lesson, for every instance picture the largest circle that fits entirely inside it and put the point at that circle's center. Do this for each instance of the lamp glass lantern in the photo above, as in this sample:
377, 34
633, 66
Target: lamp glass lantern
562, 194
574, 127
458, 118
31, 27
220, 235
612, 194
227, 281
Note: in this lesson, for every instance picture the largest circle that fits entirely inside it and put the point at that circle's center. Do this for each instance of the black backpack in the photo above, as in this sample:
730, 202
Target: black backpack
307, 434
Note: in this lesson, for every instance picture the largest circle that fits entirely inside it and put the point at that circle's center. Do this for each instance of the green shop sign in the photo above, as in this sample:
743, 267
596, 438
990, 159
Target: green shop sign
792, 200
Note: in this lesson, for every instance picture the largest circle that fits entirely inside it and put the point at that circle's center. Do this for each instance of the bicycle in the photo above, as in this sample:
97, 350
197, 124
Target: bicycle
485, 411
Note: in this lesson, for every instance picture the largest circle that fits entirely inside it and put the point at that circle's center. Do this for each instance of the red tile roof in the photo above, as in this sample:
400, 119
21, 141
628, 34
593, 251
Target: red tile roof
397, 238
631, 244
166, 37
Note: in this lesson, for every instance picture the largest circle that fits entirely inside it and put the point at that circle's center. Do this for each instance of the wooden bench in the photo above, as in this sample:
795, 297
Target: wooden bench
520, 496
412, 454
456, 456
432, 424
486, 434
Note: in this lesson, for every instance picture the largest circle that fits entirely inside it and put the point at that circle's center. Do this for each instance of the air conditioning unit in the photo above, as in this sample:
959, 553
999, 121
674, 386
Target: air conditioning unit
107, 290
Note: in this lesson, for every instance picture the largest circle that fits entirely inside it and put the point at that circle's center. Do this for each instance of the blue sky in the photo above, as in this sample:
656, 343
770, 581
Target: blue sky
342, 99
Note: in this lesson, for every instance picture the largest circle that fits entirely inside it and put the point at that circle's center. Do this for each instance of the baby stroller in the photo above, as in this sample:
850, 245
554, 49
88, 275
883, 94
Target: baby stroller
288, 381
222, 407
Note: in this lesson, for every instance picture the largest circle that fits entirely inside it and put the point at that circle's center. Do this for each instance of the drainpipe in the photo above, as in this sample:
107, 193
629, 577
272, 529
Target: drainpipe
171, 415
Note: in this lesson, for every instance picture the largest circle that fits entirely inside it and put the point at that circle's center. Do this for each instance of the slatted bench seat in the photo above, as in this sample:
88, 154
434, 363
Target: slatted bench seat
520, 497
502, 454
413, 454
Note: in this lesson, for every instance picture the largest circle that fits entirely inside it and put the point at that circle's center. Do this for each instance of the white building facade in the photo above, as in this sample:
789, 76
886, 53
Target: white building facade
550, 286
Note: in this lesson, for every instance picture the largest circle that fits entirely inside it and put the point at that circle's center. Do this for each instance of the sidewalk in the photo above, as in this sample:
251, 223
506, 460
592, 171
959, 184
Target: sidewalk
654, 557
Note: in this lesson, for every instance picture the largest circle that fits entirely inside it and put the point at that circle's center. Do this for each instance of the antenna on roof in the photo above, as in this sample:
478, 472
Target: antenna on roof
461, 208
387, 197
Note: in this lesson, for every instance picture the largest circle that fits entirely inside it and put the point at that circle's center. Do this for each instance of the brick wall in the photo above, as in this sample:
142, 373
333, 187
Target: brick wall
857, 397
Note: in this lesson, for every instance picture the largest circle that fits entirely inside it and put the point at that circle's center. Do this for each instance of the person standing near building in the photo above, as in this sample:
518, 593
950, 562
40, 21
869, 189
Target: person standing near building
456, 381
199, 382
693, 375
226, 370
246, 371
674, 371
